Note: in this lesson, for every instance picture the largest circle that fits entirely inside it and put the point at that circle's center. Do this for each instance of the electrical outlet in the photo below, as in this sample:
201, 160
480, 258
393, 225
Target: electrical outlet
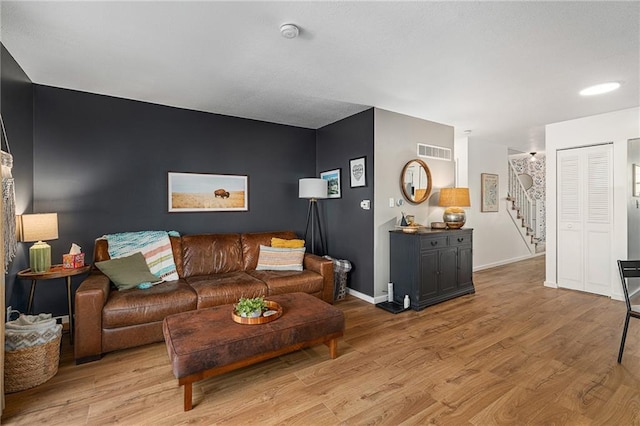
62, 319
392, 202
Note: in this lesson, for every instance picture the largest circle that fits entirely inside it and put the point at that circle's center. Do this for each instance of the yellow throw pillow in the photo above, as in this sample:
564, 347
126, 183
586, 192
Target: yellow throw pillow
282, 243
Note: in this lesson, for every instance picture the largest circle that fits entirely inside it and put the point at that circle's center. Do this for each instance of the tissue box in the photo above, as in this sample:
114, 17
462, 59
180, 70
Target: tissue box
72, 261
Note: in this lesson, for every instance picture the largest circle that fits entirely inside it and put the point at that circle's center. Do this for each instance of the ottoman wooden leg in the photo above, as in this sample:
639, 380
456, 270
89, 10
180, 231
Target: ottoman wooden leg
188, 393
333, 348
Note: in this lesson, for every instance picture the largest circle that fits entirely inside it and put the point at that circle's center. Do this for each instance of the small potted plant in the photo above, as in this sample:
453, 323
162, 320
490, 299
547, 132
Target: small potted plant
250, 307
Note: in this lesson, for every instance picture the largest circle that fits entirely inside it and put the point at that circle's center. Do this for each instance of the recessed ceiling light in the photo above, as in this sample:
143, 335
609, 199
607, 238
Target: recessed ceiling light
289, 31
599, 89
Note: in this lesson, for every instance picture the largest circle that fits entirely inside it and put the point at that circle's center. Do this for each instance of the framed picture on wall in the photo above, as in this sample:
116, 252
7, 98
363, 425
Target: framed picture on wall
333, 182
196, 192
489, 192
358, 172
636, 180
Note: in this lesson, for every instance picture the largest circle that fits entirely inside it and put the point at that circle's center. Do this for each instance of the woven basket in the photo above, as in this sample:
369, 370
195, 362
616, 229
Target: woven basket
29, 367
340, 285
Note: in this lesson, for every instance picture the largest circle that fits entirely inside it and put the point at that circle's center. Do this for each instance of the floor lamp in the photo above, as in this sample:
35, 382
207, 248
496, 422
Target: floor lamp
313, 189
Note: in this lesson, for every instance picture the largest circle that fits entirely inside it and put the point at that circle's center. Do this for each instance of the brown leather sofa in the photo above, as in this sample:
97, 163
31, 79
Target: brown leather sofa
214, 269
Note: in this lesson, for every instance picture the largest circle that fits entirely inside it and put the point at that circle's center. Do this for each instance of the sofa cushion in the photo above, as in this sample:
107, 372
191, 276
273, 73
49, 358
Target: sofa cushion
135, 306
222, 289
251, 245
279, 282
209, 254
127, 272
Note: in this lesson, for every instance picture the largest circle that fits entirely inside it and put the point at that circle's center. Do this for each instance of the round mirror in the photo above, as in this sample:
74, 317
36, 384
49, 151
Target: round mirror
526, 180
415, 181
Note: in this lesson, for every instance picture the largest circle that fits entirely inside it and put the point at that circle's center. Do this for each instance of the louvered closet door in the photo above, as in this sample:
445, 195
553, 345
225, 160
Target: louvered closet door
585, 218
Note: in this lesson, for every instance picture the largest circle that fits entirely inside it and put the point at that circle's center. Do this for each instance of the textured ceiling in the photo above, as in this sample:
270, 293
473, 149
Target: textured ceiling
500, 69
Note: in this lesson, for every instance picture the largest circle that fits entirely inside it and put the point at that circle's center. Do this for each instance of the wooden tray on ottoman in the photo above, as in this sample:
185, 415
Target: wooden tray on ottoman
207, 342
273, 306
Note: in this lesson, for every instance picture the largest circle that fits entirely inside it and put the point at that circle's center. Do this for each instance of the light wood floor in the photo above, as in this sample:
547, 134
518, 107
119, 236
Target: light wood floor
513, 353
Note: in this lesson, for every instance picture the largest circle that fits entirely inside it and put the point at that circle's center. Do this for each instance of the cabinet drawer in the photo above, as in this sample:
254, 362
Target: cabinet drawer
433, 242
459, 240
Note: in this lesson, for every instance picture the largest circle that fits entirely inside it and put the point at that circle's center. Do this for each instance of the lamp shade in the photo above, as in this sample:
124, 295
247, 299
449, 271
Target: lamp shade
38, 227
454, 197
313, 188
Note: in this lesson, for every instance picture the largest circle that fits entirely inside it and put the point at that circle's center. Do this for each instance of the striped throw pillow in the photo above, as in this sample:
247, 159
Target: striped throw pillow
280, 259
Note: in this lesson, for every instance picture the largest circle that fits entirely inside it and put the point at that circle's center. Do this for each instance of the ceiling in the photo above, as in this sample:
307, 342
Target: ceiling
500, 69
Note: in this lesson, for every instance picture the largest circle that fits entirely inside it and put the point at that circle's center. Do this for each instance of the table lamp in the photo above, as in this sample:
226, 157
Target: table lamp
313, 189
38, 227
454, 199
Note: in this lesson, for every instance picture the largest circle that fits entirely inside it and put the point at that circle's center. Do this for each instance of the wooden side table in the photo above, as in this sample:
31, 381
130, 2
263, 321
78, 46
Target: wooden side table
56, 271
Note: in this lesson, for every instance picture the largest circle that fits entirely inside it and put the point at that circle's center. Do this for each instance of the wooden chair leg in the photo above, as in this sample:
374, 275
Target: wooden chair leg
624, 337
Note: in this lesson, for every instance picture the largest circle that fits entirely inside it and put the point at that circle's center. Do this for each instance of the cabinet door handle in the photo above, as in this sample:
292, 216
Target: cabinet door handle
434, 243
460, 239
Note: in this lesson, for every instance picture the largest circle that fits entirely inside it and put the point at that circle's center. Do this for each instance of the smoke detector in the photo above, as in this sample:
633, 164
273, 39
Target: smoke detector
289, 31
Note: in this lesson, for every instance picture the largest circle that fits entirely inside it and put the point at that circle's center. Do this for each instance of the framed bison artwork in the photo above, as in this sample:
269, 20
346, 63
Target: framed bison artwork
195, 192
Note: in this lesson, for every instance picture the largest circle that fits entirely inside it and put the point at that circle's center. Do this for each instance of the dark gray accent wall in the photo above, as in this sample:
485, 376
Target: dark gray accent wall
16, 105
349, 228
101, 163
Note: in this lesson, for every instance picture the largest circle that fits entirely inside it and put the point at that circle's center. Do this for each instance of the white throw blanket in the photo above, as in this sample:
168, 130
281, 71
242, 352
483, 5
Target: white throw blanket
31, 330
155, 246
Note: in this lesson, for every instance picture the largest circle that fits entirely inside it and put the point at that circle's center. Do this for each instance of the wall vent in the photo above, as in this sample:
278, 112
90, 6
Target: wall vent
435, 152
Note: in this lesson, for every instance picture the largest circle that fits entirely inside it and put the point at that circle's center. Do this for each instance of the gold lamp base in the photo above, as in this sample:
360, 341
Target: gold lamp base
454, 217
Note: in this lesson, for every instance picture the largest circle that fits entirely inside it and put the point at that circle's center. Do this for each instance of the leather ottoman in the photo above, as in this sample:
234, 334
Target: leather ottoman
207, 342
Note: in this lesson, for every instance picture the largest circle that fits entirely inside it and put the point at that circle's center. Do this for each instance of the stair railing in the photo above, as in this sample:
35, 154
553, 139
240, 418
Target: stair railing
521, 201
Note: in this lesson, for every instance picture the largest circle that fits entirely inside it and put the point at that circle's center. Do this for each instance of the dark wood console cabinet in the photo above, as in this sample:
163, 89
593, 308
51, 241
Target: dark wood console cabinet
431, 266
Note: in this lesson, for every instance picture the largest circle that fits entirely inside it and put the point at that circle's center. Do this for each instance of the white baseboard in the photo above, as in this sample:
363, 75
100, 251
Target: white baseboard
506, 262
367, 298
550, 284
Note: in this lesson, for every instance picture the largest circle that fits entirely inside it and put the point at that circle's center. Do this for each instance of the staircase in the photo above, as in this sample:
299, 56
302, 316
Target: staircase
523, 211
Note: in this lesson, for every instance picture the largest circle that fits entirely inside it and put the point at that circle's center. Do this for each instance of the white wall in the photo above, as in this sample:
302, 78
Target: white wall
616, 127
633, 203
461, 155
496, 239
396, 137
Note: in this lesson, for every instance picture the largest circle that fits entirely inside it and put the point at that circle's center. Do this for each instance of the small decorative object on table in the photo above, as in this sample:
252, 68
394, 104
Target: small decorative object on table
410, 228
74, 259
255, 310
403, 221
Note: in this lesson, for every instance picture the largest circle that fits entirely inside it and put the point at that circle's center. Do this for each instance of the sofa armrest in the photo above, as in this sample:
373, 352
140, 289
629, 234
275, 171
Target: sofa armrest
90, 298
323, 267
